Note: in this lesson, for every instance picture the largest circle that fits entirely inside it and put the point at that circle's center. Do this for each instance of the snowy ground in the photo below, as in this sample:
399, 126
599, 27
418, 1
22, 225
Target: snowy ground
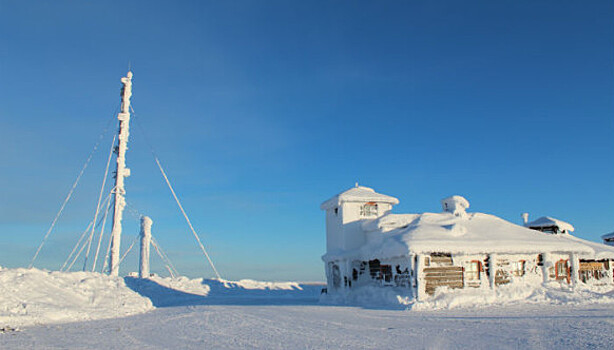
327, 327
199, 313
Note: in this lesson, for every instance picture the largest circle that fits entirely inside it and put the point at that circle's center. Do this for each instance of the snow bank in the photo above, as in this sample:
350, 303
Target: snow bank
194, 286
552, 293
32, 296
251, 284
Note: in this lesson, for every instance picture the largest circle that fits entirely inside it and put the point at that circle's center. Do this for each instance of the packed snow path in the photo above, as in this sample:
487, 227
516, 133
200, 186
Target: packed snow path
328, 327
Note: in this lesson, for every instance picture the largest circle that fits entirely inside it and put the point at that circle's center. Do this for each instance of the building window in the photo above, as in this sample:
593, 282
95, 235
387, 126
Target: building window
472, 272
336, 211
368, 209
518, 268
386, 273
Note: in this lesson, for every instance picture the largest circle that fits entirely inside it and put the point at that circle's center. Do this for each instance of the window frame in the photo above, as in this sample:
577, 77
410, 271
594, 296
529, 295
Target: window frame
473, 275
369, 209
519, 272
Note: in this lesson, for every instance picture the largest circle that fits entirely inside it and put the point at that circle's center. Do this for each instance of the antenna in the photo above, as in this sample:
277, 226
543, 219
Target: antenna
525, 218
121, 173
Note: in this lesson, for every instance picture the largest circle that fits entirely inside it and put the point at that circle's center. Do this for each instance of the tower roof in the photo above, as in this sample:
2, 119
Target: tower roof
358, 194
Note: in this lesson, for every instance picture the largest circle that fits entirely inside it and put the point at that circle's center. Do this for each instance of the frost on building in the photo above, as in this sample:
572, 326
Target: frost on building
368, 245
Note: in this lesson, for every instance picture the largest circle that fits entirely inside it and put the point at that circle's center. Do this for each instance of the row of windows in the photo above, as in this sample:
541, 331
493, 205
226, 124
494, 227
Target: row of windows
366, 210
473, 270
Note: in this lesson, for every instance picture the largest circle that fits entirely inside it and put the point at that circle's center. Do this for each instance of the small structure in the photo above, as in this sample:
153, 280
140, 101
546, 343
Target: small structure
550, 225
368, 245
608, 238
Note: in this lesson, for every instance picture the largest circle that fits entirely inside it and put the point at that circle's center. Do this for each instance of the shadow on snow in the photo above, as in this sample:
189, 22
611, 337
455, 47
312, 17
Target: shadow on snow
221, 293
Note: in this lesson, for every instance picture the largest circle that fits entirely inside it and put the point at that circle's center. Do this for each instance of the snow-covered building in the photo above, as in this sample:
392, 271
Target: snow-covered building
368, 245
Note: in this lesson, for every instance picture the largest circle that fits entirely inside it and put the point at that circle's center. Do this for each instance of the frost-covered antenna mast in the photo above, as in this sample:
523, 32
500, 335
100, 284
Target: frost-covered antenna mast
121, 173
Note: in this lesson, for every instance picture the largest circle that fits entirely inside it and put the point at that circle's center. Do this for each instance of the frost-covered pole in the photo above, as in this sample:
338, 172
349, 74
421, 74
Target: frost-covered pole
344, 275
546, 264
492, 266
412, 266
420, 281
575, 268
145, 242
121, 173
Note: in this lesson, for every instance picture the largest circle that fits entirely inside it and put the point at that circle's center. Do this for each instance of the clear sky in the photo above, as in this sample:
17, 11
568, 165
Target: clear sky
261, 110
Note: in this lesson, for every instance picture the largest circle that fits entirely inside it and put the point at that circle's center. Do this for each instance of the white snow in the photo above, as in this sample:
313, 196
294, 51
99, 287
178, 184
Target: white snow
309, 326
389, 222
219, 314
526, 292
32, 296
456, 205
600, 251
475, 233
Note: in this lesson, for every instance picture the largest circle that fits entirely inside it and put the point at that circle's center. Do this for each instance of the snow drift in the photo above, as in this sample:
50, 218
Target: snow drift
182, 291
32, 296
552, 293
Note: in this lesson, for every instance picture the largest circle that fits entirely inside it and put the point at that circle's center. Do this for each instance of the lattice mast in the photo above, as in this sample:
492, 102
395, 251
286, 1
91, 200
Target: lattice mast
120, 174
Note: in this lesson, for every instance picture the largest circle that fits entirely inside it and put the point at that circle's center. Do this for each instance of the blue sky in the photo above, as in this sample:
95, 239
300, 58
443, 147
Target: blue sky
261, 110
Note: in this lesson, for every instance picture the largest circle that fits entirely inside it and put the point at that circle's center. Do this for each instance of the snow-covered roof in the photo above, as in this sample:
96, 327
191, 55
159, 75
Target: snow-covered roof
601, 251
546, 221
358, 194
608, 236
389, 222
475, 233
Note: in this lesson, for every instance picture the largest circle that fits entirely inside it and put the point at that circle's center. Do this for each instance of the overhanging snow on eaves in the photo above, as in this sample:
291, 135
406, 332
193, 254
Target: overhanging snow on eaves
358, 194
475, 234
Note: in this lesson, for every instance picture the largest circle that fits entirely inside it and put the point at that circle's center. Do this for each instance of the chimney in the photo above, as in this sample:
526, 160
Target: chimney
525, 218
